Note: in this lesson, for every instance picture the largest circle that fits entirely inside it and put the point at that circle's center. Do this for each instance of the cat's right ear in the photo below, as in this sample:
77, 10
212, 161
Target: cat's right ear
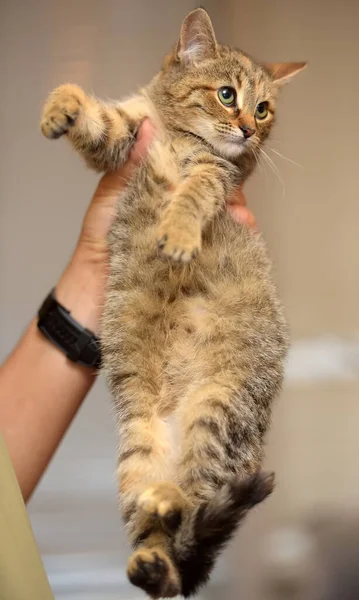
197, 41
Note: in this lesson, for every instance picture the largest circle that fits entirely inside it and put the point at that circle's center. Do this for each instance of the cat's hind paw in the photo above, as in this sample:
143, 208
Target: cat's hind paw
166, 502
153, 571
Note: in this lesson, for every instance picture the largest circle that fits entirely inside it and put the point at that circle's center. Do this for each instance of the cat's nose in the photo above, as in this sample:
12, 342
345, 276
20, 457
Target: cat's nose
247, 131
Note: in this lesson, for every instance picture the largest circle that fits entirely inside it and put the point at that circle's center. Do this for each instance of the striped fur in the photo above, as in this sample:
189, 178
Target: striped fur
192, 328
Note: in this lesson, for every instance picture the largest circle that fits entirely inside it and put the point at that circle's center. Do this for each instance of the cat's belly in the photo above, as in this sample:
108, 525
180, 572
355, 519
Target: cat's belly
187, 325
230, 253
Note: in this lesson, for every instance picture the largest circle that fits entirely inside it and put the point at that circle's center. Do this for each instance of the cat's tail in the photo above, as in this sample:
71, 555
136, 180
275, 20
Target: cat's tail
205, 531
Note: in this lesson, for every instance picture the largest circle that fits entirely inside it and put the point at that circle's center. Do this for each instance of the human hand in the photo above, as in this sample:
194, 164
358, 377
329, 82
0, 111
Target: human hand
81, 288
237, 207
101, 212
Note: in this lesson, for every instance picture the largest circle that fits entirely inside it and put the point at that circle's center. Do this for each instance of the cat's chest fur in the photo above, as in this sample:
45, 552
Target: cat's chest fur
135, 260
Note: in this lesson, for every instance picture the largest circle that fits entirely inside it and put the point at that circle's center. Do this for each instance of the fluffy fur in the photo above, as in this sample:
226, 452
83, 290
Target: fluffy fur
192, 327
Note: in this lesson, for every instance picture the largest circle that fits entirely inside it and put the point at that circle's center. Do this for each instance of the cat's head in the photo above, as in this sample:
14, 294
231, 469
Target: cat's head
218, 93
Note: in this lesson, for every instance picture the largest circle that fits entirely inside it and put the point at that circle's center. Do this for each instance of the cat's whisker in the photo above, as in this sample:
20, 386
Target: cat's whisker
277, 140
255, 154
274, 168
284, 157
270, 163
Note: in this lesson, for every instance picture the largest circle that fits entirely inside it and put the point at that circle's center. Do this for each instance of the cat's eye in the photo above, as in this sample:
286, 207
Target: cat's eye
262, 110
227, 95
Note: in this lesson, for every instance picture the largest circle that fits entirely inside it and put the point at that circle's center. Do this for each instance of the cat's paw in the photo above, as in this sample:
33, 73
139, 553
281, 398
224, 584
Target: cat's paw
179, 241
153, 571
61, 110
165, 501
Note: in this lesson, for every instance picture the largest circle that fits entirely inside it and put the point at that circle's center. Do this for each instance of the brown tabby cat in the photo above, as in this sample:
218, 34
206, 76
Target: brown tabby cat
192, 325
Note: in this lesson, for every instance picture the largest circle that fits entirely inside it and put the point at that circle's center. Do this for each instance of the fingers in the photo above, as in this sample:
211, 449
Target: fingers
237, 207
238, 198
144, 138
242, 214
113, 183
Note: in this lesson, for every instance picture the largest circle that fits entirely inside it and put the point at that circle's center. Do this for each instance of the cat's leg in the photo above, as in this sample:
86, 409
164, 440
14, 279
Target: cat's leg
195, 202
151, 567
230, 349
165, 501
133, 342
154, 510
222, 439
102, 133
144, 458
219, 473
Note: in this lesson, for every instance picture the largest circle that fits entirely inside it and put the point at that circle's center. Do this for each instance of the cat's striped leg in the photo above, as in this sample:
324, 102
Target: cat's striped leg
222, 440
218, 470
196, 201
102, 133
144, 458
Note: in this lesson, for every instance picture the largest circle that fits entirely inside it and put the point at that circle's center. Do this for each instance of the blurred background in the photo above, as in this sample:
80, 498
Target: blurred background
303, 544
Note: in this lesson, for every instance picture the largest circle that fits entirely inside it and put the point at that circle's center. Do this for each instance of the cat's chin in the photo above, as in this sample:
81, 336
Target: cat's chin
231, 149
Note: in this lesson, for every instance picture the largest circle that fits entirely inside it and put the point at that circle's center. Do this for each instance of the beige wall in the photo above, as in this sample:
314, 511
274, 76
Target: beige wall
112, 47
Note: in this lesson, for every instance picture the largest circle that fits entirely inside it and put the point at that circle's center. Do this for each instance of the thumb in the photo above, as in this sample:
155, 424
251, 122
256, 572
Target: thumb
111, 184
144, 138
242, 214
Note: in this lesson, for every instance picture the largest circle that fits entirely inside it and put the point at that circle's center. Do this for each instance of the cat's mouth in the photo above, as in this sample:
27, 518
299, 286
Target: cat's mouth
236, 139
239, 142
234, 146
243, 143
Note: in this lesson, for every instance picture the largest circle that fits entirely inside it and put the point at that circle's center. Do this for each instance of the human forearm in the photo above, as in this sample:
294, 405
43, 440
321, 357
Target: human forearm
40, 389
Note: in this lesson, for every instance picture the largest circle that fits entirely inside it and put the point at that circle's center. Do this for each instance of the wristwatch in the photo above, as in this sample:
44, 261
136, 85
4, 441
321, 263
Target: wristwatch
79, 344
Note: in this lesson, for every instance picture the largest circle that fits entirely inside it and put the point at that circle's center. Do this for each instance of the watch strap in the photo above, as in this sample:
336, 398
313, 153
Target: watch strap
78, 343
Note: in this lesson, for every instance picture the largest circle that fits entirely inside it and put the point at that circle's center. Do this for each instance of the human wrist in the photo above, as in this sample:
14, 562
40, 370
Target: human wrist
81, 287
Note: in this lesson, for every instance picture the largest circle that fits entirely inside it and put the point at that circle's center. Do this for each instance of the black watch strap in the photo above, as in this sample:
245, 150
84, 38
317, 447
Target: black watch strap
79, 344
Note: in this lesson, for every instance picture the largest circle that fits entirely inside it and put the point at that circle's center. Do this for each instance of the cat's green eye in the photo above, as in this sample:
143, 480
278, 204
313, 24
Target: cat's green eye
262, 110
227, 95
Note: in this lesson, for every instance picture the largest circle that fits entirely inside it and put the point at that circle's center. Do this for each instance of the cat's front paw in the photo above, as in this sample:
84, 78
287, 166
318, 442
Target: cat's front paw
179, 241
61, 110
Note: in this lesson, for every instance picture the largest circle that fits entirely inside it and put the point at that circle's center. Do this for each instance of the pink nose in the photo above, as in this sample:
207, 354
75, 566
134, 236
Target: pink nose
247, 131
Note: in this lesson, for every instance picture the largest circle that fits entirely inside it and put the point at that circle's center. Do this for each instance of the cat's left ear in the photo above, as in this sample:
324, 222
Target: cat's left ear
282, 73
197, 41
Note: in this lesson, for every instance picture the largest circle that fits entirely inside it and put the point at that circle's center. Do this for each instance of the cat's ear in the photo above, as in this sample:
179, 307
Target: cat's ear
197, 41
282, 73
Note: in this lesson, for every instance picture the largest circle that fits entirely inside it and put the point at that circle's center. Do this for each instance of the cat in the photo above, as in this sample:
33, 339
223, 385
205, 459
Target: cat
192, 329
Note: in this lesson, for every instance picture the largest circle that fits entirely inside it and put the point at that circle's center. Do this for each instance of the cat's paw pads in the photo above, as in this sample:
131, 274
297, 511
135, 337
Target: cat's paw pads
61, 111
179, 243
164, 501
153, 571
